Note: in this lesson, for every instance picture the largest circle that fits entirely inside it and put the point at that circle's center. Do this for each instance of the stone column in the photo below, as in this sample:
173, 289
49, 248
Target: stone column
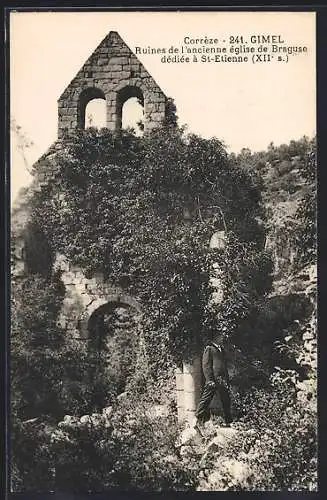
188, 389
180, 394
192, 372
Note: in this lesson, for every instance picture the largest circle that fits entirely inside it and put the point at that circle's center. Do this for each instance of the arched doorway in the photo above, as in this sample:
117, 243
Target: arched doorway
114, 338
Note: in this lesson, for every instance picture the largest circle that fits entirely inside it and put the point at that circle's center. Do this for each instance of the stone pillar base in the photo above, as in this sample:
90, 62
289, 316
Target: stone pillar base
188, 389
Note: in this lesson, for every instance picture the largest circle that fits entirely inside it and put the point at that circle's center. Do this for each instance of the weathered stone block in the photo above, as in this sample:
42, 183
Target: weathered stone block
116, 67
111, 125
180, 397
103, 61
68, 278
118, 60
189, 401
70, 288
180, 413
189, 416
179, 381
124, 74
98, 74
191, 382
135, 66
162, 108
192, 367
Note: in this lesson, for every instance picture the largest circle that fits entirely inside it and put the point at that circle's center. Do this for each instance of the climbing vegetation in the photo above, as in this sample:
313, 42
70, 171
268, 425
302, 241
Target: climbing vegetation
142, 211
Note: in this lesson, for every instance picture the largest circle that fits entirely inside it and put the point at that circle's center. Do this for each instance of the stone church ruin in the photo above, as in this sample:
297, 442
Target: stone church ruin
112, 73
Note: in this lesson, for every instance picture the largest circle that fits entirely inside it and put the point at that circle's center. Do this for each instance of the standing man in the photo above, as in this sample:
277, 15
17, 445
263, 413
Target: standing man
214, 366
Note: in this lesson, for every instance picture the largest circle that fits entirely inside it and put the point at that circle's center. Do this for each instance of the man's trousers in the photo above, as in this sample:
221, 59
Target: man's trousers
203, 413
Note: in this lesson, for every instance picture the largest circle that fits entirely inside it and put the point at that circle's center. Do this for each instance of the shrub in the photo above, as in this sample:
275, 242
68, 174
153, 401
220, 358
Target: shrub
127, 448
31, 457
275, 447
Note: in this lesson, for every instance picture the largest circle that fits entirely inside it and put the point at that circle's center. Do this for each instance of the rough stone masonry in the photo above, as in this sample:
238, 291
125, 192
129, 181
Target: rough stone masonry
112, 73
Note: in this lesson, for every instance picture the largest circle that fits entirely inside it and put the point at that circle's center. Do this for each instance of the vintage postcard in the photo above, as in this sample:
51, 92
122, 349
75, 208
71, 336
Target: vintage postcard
163, 251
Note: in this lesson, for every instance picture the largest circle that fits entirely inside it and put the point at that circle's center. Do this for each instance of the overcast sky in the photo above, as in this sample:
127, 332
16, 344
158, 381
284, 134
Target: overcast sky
244, 105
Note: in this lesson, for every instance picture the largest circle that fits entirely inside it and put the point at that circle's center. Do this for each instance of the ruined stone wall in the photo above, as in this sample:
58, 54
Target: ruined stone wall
115, 74
86, 295
112, 73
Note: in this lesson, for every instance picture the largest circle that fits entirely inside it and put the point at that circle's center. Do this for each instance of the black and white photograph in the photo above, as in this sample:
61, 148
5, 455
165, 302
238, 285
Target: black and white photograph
163, 328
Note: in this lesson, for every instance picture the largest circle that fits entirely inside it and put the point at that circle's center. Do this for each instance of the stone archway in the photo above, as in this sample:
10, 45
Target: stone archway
114, 336
103, 303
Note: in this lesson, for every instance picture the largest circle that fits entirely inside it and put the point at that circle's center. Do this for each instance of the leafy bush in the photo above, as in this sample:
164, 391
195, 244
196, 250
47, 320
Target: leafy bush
36, 343
127, 447
275, 447
31, 458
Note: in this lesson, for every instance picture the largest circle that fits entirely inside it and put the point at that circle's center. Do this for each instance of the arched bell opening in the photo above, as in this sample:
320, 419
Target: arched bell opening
92, 108
130, 109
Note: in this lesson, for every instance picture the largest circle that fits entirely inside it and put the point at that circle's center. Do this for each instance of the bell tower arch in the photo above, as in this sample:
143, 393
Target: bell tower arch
113, 73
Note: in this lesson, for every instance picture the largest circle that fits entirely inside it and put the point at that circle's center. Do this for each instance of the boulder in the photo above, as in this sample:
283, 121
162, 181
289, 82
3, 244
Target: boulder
189, 436
107, 411
223, 436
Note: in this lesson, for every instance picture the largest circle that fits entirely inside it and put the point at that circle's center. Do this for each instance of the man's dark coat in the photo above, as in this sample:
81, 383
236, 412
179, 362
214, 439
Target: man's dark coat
214, 364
